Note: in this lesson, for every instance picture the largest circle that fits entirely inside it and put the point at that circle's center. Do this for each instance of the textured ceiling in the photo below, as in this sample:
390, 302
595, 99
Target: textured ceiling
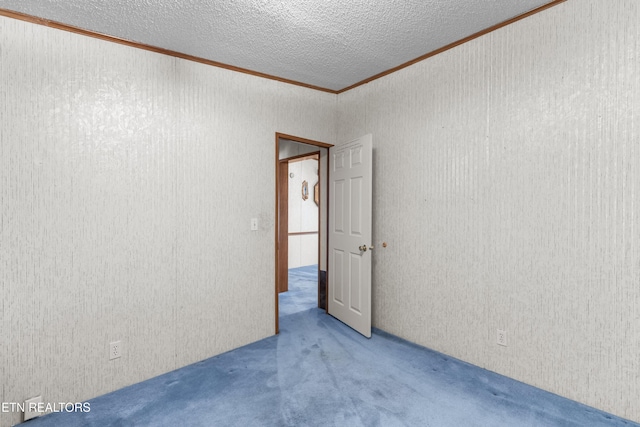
331, 44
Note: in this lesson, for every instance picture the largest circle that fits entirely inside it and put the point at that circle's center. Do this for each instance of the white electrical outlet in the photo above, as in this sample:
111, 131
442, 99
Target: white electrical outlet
254, 224
115, 350
32, 407
501, 337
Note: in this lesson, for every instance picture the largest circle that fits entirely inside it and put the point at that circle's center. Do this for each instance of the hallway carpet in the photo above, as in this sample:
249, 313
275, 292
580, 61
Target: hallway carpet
303, 291
319, 372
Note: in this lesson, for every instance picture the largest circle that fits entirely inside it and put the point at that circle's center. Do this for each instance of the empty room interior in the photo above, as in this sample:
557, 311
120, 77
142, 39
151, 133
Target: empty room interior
506, 191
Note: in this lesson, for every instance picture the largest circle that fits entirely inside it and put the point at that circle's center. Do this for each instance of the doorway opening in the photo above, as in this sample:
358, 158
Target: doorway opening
309, 238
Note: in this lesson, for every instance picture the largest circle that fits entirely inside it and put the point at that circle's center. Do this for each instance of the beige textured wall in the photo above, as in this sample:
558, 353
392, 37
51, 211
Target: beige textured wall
507, 185
127, 184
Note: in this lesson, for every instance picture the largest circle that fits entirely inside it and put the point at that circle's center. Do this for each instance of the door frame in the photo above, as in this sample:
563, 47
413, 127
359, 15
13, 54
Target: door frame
278, 137
282, 224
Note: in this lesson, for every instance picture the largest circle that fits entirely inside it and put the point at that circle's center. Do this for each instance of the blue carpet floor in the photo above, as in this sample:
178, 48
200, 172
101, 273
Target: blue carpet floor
319, 372
303, 291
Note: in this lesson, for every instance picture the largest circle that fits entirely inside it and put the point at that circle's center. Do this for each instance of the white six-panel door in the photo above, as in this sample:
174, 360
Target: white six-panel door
350, 233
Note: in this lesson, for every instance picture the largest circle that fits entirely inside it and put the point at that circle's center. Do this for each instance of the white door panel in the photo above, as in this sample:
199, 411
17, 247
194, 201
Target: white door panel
350, 229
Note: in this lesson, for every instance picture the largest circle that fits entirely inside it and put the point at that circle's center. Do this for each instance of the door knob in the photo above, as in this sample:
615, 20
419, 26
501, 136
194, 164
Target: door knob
364, 248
